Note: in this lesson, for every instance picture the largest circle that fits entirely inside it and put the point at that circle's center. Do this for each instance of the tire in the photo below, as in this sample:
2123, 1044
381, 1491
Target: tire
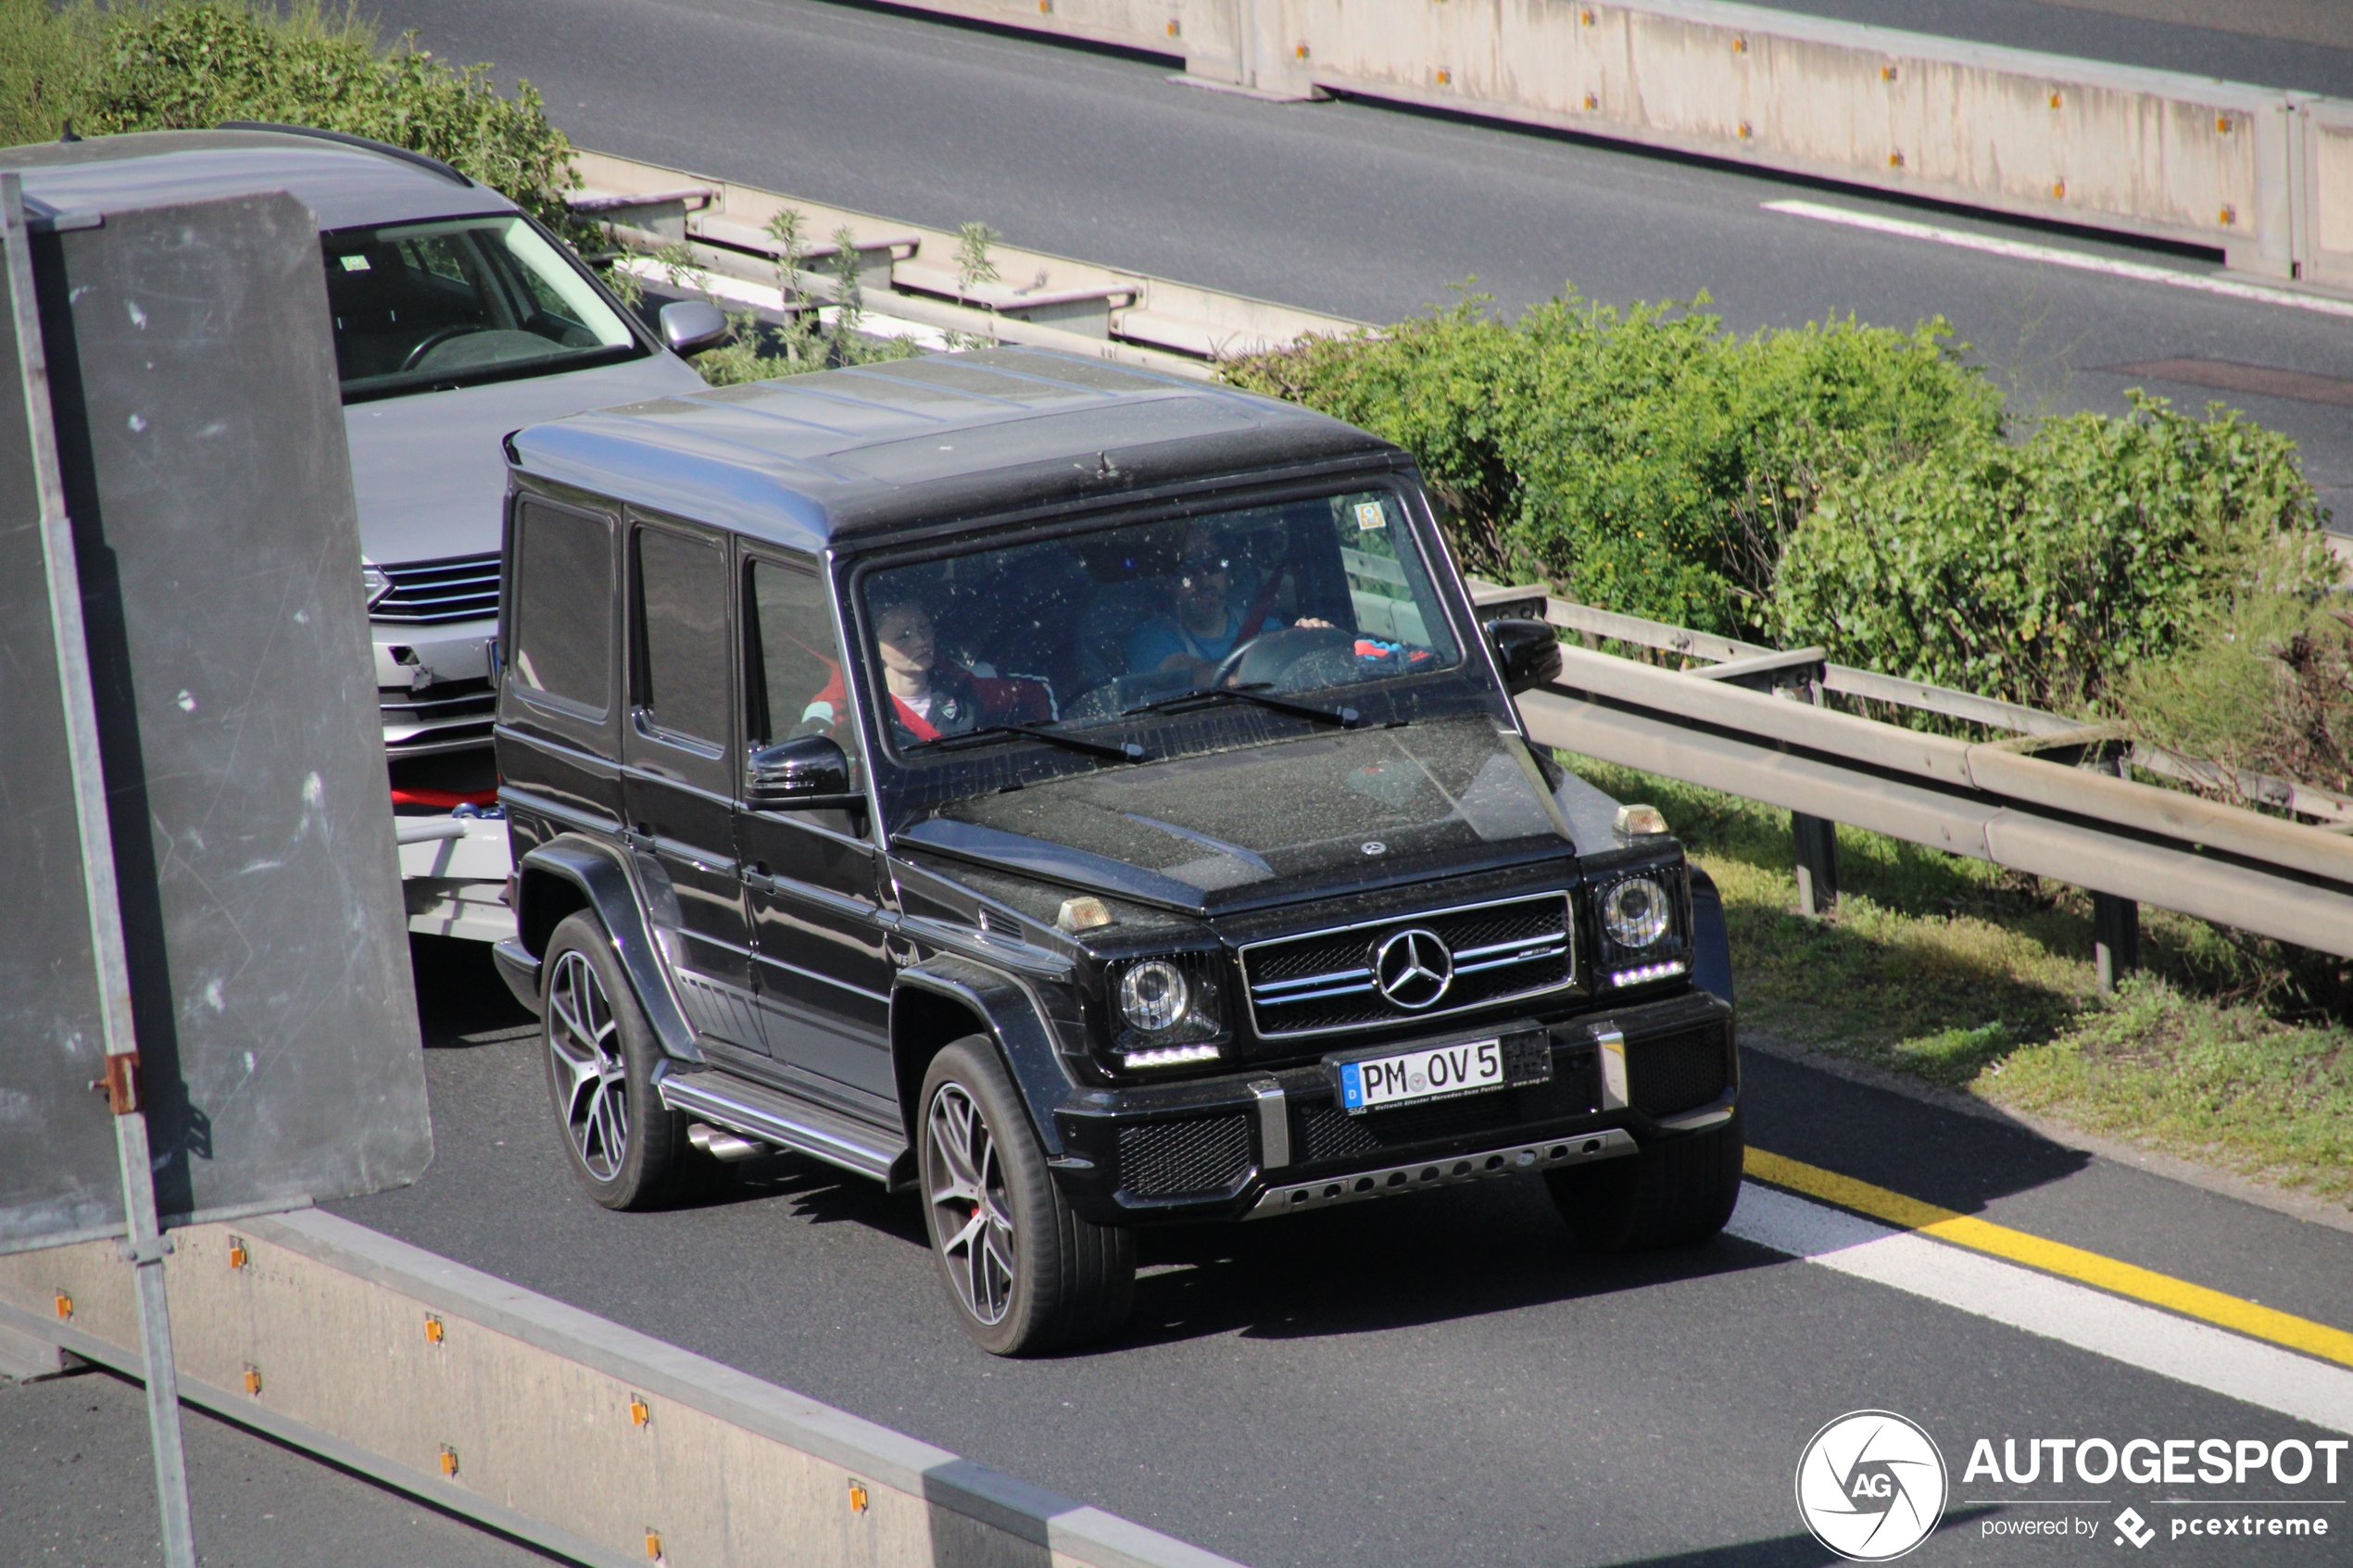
1023, 1272
1672, 1193
627, 1150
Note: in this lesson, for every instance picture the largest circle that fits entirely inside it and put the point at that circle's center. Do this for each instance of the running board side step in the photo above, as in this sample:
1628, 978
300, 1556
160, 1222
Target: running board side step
762, 1113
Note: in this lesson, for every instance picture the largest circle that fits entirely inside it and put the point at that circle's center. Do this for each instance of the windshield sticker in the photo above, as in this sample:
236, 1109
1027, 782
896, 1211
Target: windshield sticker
354, 263
1370, 516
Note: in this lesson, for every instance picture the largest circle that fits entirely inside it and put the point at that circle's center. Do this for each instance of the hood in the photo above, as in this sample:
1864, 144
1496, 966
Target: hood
429, 473
1320, 814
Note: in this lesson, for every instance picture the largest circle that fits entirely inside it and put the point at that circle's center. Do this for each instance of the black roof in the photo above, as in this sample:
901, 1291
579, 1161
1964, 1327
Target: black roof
346, 182
807, 459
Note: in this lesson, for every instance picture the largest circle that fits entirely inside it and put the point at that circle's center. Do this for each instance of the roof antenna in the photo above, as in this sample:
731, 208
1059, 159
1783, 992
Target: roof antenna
68, 136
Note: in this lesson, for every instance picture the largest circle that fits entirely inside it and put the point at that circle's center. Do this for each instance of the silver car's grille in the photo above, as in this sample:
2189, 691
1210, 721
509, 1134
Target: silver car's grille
427, 593
1325, 980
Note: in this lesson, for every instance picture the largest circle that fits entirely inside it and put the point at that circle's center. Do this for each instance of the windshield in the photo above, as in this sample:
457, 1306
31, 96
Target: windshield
418, 305
1297, 602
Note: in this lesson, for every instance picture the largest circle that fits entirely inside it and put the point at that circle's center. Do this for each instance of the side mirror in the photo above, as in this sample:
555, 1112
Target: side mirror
802, 773
1529, 652
690, 326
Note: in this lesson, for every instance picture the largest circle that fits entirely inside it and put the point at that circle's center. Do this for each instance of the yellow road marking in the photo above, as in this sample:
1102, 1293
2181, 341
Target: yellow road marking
2056, 1258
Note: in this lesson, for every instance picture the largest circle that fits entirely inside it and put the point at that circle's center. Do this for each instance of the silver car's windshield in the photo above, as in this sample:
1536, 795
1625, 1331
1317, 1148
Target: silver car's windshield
418, 306
1085, 630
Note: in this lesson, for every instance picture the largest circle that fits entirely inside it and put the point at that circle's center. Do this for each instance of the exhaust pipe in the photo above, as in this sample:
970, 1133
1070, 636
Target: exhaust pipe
722, 1144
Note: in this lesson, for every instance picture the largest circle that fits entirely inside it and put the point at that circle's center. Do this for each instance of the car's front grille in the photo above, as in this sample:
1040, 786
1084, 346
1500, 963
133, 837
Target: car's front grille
427, 593
1186, 1156
1325, 981
1678, 1072
441, 714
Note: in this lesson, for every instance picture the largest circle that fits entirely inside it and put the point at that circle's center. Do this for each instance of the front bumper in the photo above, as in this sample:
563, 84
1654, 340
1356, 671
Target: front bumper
433, 686
1252, 1144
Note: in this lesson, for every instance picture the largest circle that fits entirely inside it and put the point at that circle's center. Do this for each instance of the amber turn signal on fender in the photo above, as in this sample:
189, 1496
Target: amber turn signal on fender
1640, 821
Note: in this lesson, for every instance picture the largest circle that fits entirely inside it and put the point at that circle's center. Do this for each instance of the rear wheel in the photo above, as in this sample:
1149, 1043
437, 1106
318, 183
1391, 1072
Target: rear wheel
627, 1150
1671, 1193
1025, 1273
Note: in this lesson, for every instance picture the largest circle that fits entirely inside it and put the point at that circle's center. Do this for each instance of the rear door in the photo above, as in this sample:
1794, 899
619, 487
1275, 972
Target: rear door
811, 877
680, 753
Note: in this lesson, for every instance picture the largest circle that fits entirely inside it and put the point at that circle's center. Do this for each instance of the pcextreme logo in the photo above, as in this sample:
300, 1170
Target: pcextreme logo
1871, 1485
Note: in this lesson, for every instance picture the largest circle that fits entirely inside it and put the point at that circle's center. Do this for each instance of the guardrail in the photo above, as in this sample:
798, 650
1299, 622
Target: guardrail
2264, 175
598, 1442
908, 270
2129, 843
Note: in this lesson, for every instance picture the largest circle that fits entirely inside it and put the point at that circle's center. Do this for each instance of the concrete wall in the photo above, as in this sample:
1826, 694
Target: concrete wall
591, 1440
2264, 175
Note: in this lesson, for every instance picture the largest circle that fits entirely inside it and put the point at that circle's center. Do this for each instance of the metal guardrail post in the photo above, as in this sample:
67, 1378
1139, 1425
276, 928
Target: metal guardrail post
2116, 922
1817, 863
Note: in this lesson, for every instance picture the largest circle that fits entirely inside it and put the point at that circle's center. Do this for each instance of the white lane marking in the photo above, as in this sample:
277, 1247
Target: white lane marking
2082, 260
2195, 1353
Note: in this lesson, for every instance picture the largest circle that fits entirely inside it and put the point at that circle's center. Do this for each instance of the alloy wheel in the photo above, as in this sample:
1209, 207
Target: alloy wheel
972, 1213
591, 1075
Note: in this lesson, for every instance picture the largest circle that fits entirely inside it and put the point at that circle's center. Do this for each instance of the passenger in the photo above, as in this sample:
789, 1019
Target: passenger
1204, 625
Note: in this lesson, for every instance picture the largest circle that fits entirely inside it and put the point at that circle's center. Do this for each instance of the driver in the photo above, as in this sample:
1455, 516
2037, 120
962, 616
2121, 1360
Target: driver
928, 697
1202, 625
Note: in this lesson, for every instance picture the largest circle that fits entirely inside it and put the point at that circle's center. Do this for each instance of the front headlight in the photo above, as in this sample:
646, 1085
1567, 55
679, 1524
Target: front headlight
1154, 996
1636, 913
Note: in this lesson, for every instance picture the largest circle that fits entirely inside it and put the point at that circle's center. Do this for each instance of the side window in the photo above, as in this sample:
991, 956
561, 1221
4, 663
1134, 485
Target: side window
563, 606
682, 635
796, 659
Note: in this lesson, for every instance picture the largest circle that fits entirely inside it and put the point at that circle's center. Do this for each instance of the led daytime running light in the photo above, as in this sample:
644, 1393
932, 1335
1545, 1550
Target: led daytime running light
1647, 972
1169, 1056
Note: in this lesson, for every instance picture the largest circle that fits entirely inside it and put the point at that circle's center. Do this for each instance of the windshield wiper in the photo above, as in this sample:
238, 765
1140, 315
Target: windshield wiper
1125, 751
1346, 718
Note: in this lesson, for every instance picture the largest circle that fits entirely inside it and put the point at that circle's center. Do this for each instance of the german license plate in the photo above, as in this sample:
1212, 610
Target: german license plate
1438, 1072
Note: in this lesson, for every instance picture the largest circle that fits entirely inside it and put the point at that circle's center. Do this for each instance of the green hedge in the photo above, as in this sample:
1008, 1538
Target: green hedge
2039, 573
1837, 484
1642, 459
191, 64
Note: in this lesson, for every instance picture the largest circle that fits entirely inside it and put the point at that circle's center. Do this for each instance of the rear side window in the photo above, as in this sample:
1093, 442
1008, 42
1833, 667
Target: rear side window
564, 593
681, 618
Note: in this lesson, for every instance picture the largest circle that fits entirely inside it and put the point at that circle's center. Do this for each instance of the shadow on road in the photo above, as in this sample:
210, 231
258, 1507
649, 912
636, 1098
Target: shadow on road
1782, 1551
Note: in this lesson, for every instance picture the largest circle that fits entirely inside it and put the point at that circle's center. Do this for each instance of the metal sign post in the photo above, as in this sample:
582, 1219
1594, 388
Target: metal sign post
145, 1246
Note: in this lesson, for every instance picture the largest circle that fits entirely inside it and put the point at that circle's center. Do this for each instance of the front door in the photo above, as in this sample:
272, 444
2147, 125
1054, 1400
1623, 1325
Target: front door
811, 877
679, 761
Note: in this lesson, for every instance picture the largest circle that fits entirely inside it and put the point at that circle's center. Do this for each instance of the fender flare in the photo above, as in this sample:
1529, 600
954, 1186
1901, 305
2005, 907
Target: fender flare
1016, 1019
608, 882
1711, 940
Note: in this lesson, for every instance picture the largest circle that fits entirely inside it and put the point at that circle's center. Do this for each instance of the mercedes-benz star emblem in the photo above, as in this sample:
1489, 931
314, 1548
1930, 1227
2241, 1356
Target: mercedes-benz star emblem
1413, 968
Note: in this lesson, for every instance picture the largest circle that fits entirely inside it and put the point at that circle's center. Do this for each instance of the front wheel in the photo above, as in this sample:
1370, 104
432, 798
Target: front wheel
1025, 1273
1671, 1193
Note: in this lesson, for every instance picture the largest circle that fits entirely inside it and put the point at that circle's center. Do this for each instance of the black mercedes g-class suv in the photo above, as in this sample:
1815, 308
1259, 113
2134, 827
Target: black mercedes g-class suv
1083, 797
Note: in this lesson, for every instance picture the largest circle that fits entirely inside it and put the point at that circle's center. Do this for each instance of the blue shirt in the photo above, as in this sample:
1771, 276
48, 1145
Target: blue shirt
1152, 642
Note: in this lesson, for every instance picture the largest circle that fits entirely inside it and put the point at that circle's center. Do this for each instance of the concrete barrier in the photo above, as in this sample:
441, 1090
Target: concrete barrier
592, 1440
2261, 174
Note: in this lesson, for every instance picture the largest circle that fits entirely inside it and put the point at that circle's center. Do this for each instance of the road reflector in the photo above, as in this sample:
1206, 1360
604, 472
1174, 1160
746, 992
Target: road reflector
640, 1412
253, 1380
238, 1257
449, 1461
64, 1305
435, 1332
858, 1497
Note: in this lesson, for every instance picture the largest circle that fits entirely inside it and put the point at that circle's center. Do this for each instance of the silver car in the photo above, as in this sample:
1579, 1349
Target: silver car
457, 319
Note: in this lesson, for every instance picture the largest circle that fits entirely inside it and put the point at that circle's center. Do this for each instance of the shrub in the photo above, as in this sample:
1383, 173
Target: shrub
2265, 686
1641, 458
191, 64
2039, 573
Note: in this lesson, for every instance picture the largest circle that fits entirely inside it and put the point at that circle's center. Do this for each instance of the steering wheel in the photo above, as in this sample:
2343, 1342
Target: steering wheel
435, 339
1318, 655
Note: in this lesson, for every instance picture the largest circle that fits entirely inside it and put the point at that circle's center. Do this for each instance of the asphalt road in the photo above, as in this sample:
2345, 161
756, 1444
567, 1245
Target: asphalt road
1426, 1380
1376, 213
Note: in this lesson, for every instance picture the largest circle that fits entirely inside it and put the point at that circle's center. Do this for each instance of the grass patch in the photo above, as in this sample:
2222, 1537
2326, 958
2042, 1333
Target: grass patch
1978, 979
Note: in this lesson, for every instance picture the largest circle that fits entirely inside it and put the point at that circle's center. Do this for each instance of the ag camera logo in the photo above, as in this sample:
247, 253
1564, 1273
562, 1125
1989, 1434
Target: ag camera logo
1871, 1485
